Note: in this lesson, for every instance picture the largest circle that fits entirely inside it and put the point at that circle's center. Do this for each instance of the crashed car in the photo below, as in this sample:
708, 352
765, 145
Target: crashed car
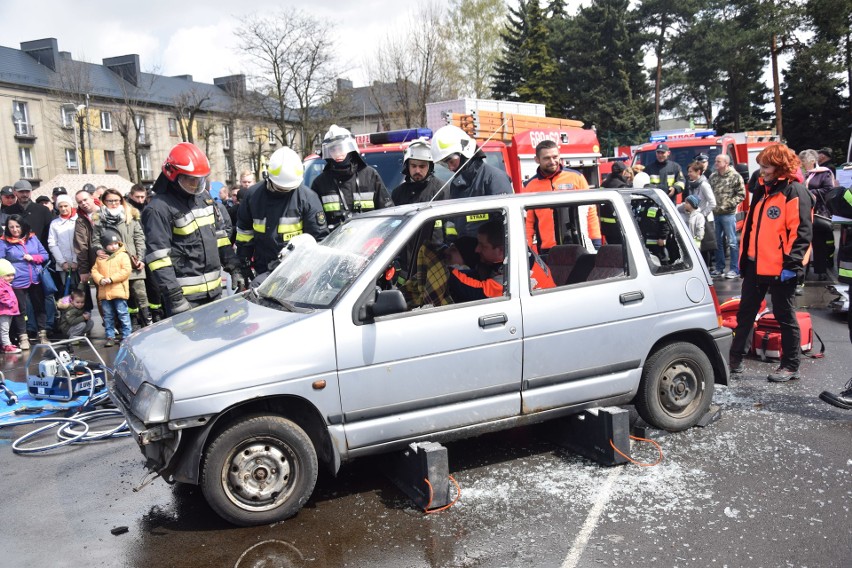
360, 345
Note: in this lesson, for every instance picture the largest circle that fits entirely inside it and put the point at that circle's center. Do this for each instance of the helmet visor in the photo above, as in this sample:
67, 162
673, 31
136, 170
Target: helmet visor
338, 149
193, 185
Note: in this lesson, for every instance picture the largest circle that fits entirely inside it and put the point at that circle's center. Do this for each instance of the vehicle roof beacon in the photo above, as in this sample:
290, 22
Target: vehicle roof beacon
423, 460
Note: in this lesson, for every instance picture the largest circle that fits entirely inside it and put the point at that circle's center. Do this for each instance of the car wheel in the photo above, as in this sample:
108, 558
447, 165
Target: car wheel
676, 387
260, 470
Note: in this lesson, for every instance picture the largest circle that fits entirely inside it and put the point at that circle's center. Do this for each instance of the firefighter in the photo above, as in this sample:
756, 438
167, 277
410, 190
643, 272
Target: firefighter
541, 225
279, 208
420, 184
655, 228
186, 236
666, 174
347, 186
458, 152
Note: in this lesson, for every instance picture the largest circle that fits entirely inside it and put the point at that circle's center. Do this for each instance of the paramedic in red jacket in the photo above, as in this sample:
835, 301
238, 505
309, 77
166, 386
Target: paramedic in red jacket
551, 177
776, 240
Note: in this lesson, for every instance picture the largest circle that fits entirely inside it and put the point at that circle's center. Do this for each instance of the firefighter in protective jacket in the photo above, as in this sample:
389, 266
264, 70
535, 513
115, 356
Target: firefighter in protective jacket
655, 228
347, 185
278, 209
186, 236
666, 174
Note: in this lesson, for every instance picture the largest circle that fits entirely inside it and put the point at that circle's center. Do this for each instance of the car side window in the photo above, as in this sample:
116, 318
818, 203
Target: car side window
451, 260
570, 245
665, 251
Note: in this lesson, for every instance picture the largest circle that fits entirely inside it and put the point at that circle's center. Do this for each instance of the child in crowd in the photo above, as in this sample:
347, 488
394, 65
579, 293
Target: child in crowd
75, 321
111, 275
693, 218
8, 305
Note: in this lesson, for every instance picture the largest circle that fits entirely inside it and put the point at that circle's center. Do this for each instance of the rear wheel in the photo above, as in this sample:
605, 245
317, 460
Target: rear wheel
676, 387
260, 470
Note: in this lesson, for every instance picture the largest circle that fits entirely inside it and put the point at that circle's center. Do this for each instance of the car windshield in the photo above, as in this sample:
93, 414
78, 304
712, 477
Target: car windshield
314, 274
388, 164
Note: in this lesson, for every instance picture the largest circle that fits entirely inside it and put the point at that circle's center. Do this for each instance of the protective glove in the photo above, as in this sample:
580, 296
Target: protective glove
597, 243
178, 302
787, 275
238, 281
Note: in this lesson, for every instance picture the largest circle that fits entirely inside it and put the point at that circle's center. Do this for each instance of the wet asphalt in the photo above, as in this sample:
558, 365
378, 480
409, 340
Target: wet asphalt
769, 484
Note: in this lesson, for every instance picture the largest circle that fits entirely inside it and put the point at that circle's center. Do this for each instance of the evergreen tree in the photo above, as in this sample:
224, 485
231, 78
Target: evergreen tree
538, 70
607, 85
816, 114
508, 67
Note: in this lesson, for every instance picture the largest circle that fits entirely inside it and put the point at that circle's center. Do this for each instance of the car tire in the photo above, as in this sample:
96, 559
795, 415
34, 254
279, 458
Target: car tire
676, 387
259, 470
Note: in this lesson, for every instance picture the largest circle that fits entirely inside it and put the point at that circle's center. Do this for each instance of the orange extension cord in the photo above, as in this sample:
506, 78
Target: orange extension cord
431, 494
659, 449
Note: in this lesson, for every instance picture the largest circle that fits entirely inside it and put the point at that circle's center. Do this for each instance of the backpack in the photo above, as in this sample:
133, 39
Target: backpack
729, 309
767, 337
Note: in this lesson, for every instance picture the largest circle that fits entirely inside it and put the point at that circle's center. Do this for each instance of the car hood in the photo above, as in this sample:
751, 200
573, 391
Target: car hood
227, 345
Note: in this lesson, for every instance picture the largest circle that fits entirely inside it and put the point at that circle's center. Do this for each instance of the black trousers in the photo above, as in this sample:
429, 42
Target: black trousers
36, 296
783, 296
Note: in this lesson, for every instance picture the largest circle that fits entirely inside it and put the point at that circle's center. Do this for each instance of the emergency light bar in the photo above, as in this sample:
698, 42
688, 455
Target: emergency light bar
399, 136
685, 134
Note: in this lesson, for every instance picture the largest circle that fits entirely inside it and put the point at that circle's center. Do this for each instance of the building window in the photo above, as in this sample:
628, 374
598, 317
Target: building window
249, 133
68, 116
144, 165
106, 120
228, 174
142, 133
173, 127
71, 158
109, 161
25, 155
270, 137
21, 116
226, 136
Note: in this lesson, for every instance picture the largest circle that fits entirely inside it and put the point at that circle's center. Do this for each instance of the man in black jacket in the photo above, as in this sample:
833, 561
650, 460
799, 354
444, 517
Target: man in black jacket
38, 216
420, 184
347, 186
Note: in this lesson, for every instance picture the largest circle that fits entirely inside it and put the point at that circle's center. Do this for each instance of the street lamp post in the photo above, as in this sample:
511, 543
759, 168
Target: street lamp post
89, 132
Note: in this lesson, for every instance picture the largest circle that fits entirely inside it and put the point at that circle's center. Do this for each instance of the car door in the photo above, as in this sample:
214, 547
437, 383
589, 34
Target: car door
429, 369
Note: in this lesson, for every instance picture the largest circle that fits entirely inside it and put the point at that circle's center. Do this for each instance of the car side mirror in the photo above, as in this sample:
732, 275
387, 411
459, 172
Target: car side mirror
387, 302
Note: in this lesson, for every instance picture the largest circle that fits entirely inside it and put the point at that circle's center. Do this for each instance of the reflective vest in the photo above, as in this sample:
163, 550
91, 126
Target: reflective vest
541, 232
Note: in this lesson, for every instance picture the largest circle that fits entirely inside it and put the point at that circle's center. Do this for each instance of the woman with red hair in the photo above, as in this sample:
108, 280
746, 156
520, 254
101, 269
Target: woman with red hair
780, 214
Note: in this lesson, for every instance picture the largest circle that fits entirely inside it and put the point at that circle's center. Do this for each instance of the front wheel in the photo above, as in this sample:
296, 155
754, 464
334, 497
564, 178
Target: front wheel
676, 387
260, 470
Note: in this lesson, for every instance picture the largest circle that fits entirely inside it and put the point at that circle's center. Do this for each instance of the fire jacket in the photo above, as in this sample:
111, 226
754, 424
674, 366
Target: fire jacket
665, 175
540, 222
269, 219
344, 194
476, 179
778, 230
839, 203
653, 224
418, 191
186, 242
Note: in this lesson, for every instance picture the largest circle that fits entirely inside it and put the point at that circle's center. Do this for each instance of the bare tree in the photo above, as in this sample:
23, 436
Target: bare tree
74, 83
408, 64
131, 124
472, 30
187, 106
294, 70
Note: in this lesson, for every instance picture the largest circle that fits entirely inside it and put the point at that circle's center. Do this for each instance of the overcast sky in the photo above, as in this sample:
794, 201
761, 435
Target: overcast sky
183, 37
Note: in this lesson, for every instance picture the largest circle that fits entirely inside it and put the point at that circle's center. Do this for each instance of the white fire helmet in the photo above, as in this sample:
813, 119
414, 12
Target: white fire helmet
419, 150
284, 170
450, 140
337, 144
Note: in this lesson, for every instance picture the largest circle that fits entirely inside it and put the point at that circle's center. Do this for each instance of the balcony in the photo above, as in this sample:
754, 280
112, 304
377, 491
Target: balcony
143, 141
24, 132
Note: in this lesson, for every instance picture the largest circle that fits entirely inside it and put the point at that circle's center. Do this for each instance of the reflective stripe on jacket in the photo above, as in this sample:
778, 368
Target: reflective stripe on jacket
363, 191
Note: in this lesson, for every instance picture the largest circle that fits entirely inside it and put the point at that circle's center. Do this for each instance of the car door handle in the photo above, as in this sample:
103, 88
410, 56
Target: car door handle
630, 297
492, 320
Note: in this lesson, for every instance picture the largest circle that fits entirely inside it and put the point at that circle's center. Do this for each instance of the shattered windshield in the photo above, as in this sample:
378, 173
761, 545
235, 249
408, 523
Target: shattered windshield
314, 274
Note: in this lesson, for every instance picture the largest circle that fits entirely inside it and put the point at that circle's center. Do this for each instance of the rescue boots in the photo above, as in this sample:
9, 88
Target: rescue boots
144, 317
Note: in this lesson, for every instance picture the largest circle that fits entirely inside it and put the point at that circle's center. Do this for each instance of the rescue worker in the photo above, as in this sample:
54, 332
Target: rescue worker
278, 209
776, 241
347, 186
458, 152
186, 236
541, 225
420, 184
608, 218
487, 278
666, 174
655, 229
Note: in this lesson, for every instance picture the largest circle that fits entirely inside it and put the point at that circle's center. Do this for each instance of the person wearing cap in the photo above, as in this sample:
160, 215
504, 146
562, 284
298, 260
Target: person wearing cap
825, 157
665, 174
7, 200
347, 185
692, 217
37, 216
111, 274
704, 161
57, 191
45, 201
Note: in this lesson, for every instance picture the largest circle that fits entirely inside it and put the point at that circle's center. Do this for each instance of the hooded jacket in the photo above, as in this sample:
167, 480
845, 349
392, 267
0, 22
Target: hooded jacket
186, 242
116, 267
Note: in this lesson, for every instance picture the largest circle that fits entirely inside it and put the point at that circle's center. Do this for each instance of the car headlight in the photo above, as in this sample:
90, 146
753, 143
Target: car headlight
151, 405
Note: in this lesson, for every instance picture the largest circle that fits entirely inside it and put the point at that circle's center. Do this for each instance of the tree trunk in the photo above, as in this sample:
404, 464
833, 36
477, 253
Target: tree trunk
776, 88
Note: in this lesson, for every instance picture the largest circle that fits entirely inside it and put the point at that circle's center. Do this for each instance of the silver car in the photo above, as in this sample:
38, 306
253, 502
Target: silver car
424, 322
